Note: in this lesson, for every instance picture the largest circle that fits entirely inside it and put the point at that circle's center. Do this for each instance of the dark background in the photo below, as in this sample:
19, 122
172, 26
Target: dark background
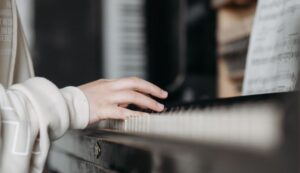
180, 38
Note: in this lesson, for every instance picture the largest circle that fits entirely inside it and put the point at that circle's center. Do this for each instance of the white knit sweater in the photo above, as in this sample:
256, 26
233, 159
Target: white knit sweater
32, 112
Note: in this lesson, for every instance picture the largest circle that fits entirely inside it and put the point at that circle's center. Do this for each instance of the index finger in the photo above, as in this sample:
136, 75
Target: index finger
140, 85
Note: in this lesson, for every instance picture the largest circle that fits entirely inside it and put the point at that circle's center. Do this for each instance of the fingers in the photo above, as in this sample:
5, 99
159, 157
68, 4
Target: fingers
124, 105
113, 112
134, 83
107, 98
122, 113
138, 99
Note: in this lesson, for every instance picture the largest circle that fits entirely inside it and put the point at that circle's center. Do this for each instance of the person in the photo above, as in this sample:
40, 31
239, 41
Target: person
34, 112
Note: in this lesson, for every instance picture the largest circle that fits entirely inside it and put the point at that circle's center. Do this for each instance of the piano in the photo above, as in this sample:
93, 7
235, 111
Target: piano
247, 134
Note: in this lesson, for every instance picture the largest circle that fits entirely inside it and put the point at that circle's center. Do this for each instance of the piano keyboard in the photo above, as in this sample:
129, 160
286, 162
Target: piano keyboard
254, 126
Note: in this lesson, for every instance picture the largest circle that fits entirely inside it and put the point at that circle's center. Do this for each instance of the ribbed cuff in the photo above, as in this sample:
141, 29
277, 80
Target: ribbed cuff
78, 107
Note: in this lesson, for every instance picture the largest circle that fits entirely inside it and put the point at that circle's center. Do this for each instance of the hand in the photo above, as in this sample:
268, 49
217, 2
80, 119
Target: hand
108, 99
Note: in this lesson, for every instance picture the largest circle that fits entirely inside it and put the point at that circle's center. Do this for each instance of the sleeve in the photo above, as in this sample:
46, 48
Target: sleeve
32, 114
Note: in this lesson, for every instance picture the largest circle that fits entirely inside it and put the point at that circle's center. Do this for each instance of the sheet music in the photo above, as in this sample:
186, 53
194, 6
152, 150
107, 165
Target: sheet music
272, 62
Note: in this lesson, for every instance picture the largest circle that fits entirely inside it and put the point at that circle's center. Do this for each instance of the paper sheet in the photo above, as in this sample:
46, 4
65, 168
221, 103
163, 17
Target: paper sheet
272, 62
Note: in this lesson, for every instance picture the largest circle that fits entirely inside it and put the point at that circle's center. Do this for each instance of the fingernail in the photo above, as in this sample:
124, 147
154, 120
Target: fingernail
165, 93
161, 106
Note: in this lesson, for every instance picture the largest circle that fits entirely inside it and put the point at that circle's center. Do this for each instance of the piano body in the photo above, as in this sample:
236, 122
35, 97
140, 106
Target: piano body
238, 135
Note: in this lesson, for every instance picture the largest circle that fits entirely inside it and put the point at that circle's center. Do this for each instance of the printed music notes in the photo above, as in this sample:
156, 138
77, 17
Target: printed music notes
272, 62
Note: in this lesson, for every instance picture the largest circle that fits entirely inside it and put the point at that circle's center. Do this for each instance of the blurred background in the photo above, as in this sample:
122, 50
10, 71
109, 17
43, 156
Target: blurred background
195, 49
